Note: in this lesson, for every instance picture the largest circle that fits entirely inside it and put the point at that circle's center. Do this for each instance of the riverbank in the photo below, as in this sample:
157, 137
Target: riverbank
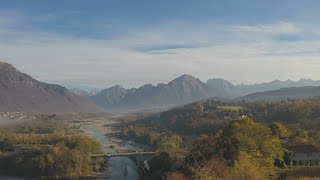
105, 131
110, 127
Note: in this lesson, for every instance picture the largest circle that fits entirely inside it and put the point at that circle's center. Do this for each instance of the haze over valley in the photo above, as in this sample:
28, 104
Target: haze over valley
22, 93
160, 90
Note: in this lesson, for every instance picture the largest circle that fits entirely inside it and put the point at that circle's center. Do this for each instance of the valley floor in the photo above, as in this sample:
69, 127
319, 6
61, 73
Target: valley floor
106, 131
110, 127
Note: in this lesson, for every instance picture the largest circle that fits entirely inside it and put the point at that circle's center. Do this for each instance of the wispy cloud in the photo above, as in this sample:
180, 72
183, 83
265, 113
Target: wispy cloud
270, 29
151, 54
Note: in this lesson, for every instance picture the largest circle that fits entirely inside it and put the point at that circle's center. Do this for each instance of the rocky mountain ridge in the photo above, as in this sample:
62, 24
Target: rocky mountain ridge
19, 92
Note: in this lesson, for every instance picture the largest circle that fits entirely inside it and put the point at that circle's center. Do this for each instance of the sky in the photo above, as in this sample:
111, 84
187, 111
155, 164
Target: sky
101, 43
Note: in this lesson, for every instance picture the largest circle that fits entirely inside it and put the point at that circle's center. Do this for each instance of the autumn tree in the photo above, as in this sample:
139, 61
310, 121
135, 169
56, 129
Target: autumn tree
175, 176
171, 145
253, 141
246, 168
213, 169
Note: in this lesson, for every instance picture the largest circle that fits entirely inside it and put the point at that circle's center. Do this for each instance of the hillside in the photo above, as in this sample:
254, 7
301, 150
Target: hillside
283, 94
226, 89
20, 92
208, 116
273, 85
223, 88
80, 92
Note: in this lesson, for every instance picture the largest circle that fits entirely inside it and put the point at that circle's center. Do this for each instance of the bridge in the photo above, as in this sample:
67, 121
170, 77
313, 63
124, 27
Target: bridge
107, 155
141, 158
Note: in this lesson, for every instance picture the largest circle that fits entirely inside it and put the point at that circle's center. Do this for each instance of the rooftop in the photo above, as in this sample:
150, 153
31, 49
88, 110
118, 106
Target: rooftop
303, 148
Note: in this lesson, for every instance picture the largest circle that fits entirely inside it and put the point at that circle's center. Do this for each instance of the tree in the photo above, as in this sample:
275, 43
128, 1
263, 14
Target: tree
245, 168
201, 150
254, 140
279, 130
172, 146
213, 169
175, 176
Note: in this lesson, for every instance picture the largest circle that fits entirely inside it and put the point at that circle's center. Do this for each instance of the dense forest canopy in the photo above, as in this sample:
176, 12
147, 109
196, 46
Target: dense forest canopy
47, 149
207, 117
228, 140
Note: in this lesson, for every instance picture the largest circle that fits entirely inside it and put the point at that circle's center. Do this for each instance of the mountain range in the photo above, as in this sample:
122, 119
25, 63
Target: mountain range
182, 90
20, 92
304, 92
82, 92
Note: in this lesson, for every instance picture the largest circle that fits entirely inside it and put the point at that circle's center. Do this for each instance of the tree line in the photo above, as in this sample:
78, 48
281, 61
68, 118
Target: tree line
226, 140
52, 150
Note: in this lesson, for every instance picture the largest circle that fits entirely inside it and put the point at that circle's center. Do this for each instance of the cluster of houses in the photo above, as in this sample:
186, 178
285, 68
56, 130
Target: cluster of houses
303, 154
16, 115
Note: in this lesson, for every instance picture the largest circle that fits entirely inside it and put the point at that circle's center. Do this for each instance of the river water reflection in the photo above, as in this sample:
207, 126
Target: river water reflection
118, 168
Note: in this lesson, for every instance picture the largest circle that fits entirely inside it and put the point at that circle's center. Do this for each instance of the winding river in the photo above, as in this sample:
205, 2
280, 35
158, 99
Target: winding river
118, 168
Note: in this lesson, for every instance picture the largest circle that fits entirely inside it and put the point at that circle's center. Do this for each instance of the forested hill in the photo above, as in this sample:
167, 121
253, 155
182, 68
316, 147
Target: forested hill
206, 117
228, 140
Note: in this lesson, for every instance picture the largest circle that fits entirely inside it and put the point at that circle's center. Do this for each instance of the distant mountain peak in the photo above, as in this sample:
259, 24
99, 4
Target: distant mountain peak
7, 66
185, 77
305, 80
4, 63
114, 89
219, 81
222, 87
276, 81
117, 87
289, 80
147, 86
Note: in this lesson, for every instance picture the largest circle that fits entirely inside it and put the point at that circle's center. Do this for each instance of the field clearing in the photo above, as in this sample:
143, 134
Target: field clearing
236, 108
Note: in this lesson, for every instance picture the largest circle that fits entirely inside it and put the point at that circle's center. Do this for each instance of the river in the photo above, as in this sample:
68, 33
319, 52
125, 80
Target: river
118, 168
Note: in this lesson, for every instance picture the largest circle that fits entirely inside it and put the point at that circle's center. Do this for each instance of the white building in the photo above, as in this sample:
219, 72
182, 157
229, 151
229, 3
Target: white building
302, 154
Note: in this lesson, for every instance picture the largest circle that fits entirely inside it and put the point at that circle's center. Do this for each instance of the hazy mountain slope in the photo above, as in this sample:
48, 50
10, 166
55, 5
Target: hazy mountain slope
226, 89
223, 88
80, 92
274, 85
20, 92
94, 92
109, 97
183, 89
283, 94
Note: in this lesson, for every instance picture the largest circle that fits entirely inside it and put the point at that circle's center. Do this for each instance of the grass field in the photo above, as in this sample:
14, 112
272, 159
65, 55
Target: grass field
236, 108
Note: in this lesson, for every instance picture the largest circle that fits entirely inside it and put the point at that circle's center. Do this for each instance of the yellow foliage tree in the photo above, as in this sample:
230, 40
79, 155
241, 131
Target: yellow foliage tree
245, 168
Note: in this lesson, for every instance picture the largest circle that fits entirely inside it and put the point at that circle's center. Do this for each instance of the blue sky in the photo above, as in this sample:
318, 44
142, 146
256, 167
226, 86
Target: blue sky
100, 43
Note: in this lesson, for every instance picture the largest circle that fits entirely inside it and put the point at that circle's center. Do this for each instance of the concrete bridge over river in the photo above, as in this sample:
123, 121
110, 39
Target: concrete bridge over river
130, 154
141, 158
